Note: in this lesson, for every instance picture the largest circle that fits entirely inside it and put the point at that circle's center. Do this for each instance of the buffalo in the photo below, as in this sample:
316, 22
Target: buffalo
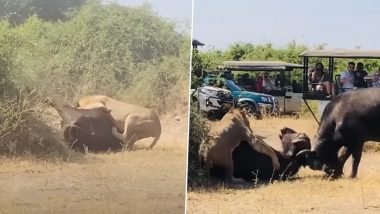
348, 121
89, 129
251, 165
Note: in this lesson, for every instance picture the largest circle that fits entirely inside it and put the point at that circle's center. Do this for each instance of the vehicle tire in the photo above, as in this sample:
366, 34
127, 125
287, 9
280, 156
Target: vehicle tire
250, 109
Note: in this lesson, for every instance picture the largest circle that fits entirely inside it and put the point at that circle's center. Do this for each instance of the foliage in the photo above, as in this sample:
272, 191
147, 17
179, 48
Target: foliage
203, 61
8, 44
156, 80
23, 131
18, 11
198, 129
196, 63
98, 51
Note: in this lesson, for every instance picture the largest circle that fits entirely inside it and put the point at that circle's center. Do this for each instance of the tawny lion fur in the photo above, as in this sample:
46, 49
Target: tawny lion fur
134, 122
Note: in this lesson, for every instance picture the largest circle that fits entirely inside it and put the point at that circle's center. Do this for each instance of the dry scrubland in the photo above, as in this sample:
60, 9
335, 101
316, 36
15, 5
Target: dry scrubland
310, 192
126, 182
128, 53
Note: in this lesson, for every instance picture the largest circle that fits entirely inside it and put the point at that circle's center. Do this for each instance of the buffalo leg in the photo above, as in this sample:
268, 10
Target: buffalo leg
343, 156
356, 156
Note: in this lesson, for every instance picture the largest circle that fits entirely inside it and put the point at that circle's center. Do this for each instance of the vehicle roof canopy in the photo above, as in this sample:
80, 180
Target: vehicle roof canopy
342, 53
260, 66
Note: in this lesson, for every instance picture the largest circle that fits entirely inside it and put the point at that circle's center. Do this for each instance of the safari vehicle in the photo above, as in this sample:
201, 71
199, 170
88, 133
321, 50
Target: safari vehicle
219, 92
287, 98
331, 55
255, 104
214, 101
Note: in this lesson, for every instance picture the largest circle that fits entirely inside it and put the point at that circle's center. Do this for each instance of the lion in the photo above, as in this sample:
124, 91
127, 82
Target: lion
132, 122
224, 137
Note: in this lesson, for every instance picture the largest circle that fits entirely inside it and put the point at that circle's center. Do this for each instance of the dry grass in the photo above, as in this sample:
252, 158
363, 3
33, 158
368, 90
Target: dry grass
309, 193
126, 182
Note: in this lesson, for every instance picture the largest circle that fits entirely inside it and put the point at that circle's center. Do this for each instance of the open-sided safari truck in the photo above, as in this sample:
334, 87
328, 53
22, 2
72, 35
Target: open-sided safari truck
287, 90
331, 55
219, 86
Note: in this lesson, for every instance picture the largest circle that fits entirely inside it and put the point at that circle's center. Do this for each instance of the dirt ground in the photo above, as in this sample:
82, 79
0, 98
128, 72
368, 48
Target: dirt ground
126, 182
310, 192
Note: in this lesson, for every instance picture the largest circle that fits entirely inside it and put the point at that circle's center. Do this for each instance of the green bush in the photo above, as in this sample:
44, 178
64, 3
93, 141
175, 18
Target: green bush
197, 177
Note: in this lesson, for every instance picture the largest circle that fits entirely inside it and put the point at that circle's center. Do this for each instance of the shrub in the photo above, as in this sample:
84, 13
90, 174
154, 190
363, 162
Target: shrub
198, 129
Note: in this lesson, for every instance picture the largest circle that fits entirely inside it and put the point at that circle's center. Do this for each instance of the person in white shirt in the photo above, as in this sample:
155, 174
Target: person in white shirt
376, 79
267, 84
347, 77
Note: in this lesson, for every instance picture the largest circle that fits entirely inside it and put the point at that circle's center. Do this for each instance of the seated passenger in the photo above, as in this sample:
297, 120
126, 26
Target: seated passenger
267, 84
259, 86
376, 79
246, 82
239, 79
318, 75
347, 77
359, 75
278, 81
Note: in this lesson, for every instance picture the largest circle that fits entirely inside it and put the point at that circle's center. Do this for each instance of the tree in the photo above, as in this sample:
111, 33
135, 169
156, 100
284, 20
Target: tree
18, 11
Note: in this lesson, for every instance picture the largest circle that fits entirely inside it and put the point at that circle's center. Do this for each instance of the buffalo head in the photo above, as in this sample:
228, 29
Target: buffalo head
315, 162
293, 142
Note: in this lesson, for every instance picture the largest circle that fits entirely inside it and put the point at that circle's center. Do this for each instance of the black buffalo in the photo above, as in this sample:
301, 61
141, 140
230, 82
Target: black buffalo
348, 121
87, 128
251, 165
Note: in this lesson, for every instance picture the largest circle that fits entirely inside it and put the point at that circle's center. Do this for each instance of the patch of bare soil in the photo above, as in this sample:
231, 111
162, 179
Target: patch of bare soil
126, 182
310, 192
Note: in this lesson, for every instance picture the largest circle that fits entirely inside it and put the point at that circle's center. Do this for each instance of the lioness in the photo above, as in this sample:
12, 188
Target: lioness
134, 122
225, 136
